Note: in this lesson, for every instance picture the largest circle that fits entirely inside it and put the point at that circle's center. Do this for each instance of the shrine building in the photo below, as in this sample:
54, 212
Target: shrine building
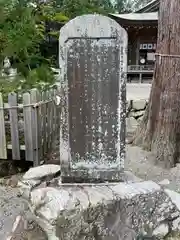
141, 27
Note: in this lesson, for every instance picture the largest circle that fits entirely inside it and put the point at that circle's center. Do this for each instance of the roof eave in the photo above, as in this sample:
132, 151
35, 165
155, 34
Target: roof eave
133, 20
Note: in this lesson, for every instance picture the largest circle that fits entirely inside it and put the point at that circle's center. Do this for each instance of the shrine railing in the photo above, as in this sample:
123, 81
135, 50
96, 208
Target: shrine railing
140, 68
29, 124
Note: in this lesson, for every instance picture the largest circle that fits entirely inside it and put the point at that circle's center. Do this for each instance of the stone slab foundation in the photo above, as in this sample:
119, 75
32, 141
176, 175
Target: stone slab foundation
125, 211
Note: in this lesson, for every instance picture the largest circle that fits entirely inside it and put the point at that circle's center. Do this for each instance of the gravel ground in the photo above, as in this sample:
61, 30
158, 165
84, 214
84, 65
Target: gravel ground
139, 162
138, 91
11, 205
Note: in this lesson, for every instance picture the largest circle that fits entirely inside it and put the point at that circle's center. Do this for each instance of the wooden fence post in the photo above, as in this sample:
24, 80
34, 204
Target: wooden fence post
54, 113
51, 116
58, 109
48, 120
13, 112
35, 98
3, 150
44, 124
28, 127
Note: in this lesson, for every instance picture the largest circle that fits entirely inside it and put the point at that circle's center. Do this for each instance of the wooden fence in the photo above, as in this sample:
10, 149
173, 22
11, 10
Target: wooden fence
29, 125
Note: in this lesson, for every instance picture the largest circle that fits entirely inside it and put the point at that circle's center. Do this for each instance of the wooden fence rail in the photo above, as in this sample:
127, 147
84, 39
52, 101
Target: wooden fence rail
29, 125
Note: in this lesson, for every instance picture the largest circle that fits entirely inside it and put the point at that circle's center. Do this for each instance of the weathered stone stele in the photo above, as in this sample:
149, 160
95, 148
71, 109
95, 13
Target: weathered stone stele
93, 63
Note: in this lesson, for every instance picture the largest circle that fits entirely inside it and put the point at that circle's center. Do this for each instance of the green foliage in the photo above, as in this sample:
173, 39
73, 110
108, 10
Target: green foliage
73, 8
22, 31
41, 78
8, 85
25, 27
20, 34
37, 76
59, 17
125, 6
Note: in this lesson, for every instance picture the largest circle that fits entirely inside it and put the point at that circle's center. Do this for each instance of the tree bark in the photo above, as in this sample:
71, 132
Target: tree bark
159, 131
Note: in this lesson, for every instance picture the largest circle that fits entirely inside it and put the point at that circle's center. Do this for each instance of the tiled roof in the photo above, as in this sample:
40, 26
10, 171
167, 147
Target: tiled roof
151, 16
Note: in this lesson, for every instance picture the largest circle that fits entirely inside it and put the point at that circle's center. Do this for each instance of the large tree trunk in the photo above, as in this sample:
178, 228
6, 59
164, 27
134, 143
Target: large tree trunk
159, 131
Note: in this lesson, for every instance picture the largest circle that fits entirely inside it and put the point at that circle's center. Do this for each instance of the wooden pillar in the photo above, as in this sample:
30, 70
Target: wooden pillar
140, 78
137, 51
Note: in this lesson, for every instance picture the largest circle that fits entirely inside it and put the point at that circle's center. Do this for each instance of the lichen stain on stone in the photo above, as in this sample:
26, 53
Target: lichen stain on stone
93, 62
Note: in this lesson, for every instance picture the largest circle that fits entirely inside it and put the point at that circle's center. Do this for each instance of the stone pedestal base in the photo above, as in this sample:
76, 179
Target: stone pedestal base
99, 211
93, 176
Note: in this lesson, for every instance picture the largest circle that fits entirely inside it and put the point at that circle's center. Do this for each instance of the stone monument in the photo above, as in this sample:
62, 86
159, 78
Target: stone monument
92, 147
93, 63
